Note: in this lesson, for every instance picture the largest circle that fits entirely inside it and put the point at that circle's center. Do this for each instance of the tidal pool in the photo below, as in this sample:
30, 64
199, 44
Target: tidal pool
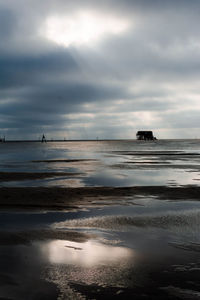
124, 250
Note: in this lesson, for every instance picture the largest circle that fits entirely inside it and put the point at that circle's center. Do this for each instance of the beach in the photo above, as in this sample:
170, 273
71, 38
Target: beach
100, 220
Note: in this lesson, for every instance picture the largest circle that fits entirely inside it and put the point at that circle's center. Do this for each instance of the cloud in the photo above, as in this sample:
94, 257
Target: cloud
28, 70
145, 76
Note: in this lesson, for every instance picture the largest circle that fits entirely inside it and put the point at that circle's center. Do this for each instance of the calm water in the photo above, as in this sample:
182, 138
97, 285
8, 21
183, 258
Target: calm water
142, 243
107, 163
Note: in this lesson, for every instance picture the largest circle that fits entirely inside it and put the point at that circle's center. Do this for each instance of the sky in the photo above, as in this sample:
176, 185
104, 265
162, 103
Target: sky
82, 69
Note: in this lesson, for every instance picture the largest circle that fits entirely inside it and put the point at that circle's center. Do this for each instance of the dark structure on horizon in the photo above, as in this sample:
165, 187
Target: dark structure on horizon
145, 136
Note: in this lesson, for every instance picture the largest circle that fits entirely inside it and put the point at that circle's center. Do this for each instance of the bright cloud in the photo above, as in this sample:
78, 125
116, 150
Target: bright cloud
82, 28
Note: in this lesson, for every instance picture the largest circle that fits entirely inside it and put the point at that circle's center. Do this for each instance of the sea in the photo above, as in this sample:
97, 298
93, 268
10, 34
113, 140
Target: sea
104, 163
141, 246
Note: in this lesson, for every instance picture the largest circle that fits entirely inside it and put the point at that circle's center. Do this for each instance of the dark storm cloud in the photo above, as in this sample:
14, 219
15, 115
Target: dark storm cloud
27, 70
153, 67
61, 98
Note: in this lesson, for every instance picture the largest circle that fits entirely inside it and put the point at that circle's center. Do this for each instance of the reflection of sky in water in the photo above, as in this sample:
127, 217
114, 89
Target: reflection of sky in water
140, 177
88, 254
116, 257
87, 263
111, 177
111, 169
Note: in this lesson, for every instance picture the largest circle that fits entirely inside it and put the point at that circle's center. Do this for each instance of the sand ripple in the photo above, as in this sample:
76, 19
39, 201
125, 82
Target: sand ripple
190, 218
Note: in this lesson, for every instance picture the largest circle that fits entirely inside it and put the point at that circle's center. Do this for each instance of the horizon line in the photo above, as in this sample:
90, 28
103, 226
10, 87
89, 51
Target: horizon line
96, 140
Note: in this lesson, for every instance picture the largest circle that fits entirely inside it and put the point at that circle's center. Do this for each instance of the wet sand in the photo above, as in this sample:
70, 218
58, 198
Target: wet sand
28, 236
52, 198
18, 176
157, 153
137, 240
63, 160
34, 263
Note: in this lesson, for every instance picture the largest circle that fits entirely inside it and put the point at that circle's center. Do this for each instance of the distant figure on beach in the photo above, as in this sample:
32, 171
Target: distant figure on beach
44, 139
2, 140
145, 136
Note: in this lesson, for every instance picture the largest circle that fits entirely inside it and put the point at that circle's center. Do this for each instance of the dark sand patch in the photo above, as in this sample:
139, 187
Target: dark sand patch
181, 293
144, 162
157, 165
16, 176
187, 246
29, 288
179, 281
75, 248
56, 198
6, 279
63, 160
156, 153
26, 237
98, 292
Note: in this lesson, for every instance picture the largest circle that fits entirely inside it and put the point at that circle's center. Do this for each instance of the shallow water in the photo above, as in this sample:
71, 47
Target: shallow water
105, 163
143, 247
129, 243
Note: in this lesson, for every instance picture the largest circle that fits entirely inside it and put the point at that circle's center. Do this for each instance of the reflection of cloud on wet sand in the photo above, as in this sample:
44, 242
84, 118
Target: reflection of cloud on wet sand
89, 264
88, 254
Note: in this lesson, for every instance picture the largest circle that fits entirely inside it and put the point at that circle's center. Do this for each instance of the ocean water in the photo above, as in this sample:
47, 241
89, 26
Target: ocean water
104, 163
139, 247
